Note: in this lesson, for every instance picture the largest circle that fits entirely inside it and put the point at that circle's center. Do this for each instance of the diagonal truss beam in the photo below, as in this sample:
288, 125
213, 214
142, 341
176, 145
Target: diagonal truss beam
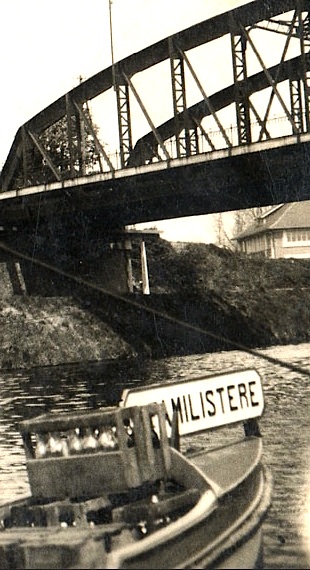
291, 70
44, 155
304, 28
260, 121
99, 148
206, 99
148, 118
9, 170
25, 155
273, 93
201, 33
204, 133
271, 81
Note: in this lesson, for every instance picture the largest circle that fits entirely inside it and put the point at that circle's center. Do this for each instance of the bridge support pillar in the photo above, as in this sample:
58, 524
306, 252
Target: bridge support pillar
144, 270
127, 247
132, 243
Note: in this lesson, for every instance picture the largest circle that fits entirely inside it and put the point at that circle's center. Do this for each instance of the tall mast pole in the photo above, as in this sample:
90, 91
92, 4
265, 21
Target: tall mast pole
111, 42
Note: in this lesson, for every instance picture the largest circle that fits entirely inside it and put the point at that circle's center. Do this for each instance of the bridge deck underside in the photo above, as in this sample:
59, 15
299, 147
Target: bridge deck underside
236, 179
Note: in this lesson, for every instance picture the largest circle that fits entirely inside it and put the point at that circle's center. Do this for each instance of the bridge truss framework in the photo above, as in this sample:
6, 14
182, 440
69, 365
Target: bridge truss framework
34, 161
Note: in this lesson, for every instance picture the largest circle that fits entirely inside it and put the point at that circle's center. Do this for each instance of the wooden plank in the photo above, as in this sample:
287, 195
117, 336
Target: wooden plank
148, 511
58, 422
14, 534
82, 476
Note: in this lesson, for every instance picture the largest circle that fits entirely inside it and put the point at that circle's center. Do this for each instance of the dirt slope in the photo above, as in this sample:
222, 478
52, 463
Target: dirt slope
254, 302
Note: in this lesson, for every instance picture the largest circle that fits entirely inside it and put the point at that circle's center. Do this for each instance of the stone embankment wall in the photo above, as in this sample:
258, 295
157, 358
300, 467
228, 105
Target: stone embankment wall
211, 296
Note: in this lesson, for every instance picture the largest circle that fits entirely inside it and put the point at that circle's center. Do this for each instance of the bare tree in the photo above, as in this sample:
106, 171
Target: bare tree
222, 238
245, 218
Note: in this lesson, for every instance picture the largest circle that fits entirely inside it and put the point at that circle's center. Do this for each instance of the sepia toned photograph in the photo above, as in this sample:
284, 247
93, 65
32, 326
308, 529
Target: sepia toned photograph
155, 284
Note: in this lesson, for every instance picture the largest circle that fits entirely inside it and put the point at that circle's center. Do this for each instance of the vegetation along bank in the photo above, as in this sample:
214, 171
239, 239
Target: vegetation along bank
221, 295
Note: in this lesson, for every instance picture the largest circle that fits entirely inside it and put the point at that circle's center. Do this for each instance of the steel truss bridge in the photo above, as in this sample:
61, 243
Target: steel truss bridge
245, 144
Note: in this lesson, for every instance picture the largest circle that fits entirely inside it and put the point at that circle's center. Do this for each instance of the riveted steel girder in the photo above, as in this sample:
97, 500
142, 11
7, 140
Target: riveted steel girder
123, 113
246, 17
296, 94
238, 48
182, 135
304, 33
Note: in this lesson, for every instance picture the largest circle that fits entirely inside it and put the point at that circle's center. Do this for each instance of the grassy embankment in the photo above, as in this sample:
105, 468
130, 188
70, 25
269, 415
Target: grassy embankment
253, 302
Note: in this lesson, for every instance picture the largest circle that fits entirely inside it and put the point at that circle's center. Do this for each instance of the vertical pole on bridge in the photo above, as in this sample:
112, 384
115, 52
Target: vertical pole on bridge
122, 101
111, 43
145, 274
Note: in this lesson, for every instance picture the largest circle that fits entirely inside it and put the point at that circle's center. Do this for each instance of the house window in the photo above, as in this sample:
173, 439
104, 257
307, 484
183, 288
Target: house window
254, 245
296, 237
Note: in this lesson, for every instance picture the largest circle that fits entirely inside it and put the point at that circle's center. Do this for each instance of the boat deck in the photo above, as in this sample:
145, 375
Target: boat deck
240, 458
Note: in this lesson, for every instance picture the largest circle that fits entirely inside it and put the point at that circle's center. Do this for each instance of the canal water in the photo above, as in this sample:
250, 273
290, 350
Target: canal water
284, 426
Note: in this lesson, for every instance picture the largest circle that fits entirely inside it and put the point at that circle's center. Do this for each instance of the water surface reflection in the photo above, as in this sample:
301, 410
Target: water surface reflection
285, 426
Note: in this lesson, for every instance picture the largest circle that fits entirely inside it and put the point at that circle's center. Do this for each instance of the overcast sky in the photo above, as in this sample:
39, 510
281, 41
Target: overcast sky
47, 45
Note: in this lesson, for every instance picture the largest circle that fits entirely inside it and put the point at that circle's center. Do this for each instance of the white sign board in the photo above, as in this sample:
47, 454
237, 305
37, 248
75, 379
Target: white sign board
205, 402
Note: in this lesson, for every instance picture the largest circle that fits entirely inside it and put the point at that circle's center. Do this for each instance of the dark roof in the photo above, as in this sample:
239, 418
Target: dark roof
285, 216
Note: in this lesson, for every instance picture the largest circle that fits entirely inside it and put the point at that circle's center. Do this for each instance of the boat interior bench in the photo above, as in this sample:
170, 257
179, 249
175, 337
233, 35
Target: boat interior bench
174, 504
63, 512
52, 547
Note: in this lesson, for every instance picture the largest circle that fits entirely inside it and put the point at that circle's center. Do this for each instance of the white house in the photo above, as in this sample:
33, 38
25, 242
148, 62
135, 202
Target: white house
282, 231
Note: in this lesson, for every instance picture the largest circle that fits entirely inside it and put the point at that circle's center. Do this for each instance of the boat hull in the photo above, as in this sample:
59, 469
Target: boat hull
168, 510
228, 537
218, 533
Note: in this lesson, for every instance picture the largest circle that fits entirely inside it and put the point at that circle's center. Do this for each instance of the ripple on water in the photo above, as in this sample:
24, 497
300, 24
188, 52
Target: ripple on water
284, 425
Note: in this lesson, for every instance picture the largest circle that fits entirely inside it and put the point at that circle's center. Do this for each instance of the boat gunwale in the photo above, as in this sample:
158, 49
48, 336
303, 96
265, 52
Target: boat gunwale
204, 508
247, 519
245, 525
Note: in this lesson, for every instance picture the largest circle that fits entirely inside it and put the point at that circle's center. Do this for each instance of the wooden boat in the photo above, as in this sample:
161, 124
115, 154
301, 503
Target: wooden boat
112, 488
